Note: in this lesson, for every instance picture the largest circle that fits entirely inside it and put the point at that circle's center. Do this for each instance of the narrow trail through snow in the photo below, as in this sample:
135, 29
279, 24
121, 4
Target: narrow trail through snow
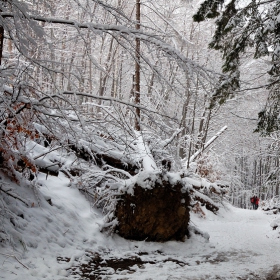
242, 245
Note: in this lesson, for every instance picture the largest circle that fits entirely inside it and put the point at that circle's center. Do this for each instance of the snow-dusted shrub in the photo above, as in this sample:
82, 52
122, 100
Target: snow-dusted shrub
210, 167
271, 205
275, 224
17, 125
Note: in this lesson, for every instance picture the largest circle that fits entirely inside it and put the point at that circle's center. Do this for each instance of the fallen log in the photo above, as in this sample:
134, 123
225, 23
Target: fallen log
48, 171
205, 200
47, 168
103, 158
87, 154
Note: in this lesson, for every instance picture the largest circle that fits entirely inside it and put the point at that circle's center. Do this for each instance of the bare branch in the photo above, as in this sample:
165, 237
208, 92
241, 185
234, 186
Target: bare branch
116, 100
185, 63
13, 196
15, 257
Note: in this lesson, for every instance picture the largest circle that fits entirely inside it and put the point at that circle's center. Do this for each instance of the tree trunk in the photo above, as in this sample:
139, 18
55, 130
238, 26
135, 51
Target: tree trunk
137, 69
1, 40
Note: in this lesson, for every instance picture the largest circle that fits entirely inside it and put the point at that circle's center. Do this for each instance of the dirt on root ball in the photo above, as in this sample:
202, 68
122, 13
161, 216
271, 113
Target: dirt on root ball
157, 214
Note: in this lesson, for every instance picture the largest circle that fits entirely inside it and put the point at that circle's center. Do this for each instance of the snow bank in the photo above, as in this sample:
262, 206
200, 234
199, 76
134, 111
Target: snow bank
40, 233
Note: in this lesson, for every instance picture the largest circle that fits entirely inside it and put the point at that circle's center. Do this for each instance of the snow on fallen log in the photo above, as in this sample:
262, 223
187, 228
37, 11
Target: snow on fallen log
103, 155
204, 200
202, 190
144, 154
47, 160
48, 168
201, 184
101, 149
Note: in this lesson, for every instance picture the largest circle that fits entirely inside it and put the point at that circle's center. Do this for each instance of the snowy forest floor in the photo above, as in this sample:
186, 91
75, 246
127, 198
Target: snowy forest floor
63, 241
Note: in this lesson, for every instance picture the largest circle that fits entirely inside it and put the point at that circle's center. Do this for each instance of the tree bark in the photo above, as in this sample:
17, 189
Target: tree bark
1, 40
137, 69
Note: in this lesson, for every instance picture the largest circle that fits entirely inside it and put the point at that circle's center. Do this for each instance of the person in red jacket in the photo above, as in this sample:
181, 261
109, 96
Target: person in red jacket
252, 199
257, 202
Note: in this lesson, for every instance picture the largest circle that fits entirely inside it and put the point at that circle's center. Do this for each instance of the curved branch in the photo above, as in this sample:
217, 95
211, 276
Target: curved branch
185, 63
107, 98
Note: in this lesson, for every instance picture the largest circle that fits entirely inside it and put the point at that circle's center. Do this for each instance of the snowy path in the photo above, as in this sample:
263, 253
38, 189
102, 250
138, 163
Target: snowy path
244, 242
242, 245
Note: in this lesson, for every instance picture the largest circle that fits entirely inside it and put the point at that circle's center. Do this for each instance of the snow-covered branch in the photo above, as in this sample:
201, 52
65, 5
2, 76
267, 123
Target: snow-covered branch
109, 98
185, 63
14, 257
208, 143
168, 141
144, 154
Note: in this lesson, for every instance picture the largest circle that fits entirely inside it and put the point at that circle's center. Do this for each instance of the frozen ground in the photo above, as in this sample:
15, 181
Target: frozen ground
63, 241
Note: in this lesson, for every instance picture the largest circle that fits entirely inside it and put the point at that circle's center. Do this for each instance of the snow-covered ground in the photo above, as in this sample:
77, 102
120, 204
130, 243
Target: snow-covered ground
51, 239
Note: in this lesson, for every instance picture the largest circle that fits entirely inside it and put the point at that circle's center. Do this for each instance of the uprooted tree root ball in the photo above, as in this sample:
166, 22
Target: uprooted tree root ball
160, 213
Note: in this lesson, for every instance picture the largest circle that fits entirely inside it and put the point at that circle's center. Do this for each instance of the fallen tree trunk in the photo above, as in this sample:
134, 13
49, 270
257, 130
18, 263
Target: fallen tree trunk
48, 171
219, 189
90, 154
205, 201
103, 158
